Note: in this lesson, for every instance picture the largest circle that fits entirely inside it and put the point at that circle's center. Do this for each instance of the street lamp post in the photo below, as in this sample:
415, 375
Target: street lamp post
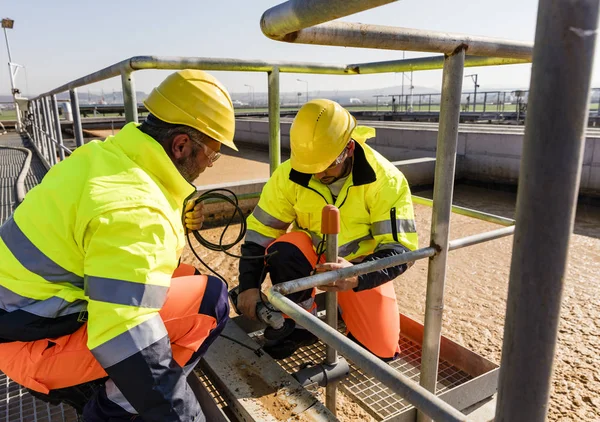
474, 79
306, 82
251, 88
12, 70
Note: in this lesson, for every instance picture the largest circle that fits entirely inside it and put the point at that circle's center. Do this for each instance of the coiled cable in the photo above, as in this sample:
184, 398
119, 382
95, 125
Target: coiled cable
228, 196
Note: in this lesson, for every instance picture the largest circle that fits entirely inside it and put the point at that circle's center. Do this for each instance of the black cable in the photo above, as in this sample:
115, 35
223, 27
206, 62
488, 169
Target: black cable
231, 198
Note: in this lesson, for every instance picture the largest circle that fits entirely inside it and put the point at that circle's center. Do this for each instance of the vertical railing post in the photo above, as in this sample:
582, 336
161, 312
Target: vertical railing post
484, 101
443, 188
77, 130
330, 228
57, 127
430, 103
274, 123
50, 130
549, 179
44, 136
33, 123
129, 97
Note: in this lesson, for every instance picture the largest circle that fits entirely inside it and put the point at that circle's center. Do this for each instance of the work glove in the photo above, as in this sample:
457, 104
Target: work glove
194, 215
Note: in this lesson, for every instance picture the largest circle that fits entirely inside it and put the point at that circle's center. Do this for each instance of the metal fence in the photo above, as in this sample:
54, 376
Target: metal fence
558, 102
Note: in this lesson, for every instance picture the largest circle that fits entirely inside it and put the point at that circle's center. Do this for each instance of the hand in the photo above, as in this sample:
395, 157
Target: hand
194, 215
341, 285
246, 302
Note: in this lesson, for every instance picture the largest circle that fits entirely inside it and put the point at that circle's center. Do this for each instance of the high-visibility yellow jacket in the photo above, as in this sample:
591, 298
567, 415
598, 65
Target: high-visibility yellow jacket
376, 210
103, 233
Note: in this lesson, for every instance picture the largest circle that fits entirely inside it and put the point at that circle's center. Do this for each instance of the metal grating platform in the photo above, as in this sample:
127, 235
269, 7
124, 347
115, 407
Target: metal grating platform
372, 395
16, 405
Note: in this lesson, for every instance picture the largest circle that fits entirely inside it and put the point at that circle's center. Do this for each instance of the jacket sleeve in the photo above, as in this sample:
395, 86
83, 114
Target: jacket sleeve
269, 220
130, 256
392, 226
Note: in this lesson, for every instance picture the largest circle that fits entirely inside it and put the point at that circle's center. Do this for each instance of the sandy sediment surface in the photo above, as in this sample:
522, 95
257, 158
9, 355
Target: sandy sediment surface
475, 298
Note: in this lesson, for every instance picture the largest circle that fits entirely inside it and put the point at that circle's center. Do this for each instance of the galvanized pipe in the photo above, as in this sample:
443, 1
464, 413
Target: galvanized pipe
294, 15
480, 238
346, 34
207, 63
58, 128
49, 130
100, 75
329, 277
274, 121
548, 187
443, 188
34, 129
43, 137
394, 380
480, 215
77, 130
129, 97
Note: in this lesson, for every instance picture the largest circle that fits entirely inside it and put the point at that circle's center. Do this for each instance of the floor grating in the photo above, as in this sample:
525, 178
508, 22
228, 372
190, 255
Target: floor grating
372, 395
16, 404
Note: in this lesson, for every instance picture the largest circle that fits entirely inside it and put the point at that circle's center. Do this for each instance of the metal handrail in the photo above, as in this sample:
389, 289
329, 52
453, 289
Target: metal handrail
291, 22
294, 20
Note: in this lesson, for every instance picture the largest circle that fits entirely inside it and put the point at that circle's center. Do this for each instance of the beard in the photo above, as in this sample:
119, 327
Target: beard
189, 167
328, 180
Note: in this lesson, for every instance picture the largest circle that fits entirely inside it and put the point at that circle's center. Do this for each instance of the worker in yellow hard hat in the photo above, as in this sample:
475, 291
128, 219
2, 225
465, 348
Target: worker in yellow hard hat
331, 164
94, 309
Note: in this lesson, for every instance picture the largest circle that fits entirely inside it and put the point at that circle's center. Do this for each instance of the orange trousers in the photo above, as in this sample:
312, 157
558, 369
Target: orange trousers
49, 364
371, 316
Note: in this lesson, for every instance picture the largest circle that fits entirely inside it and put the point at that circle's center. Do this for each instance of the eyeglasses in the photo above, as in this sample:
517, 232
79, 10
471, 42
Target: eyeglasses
340, 159
210, 154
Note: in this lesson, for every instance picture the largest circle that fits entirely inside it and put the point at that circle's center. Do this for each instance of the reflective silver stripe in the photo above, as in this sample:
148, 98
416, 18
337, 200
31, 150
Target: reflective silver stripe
130, 342
125, 292
48, 308
268, 220
259, 239
385, 227
115, 395
30, 257
351, 247
395, 246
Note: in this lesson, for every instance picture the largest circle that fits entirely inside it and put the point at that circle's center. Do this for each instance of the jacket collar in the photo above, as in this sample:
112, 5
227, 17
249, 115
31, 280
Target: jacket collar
152, 158
362, 172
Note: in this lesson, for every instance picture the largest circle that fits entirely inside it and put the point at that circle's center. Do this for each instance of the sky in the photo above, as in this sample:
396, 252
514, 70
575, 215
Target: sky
58, 41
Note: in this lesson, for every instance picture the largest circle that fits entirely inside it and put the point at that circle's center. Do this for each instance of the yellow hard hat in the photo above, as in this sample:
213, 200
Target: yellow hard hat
197, 99
320, 132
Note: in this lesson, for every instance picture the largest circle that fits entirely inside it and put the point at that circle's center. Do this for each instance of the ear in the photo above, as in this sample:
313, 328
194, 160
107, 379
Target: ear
181, 146
351, 148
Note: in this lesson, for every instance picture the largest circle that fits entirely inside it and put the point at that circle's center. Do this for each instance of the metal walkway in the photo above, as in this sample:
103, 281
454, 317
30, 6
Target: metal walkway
15, 403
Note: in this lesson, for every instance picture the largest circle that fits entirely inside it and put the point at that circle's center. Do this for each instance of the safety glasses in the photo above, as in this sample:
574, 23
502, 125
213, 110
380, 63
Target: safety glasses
210, 154
340, 159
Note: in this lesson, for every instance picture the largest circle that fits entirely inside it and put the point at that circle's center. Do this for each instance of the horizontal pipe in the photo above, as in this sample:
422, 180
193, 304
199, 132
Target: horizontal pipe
328, 277
394, 380
294, 15
205, 63
347, 34
219, 64
427, 63
484, 216
480, 238
100, 75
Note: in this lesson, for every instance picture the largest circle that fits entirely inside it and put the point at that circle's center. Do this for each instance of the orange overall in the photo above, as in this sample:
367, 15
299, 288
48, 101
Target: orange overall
371, 316
49, 364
